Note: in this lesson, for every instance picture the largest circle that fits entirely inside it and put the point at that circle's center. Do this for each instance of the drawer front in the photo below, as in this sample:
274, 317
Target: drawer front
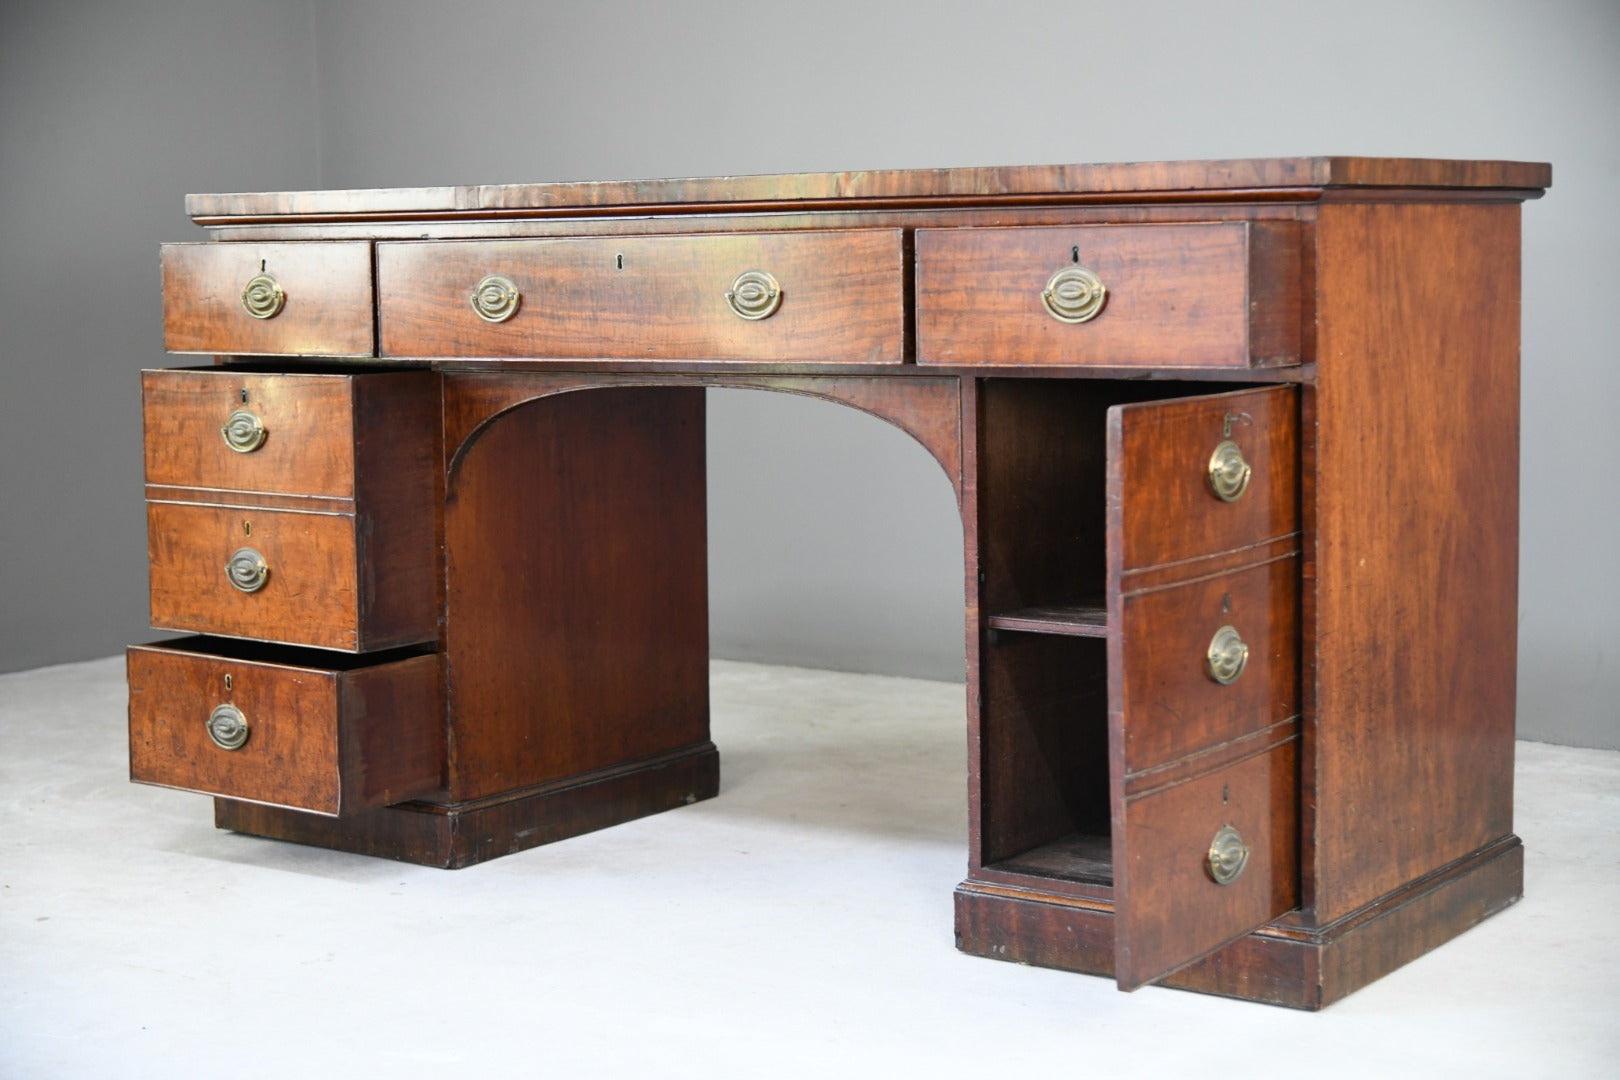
295, 299
834, 296
310, 591
246, 431
1172, 462
1168, 679
330, 580
1170, 906
321, 739
1214, 295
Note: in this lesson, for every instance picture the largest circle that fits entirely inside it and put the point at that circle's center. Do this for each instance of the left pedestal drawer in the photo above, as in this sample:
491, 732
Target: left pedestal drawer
311, 731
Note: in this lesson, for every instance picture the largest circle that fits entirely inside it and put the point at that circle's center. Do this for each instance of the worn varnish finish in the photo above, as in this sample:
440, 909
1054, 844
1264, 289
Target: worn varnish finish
327, 310
649, 298
353, 559
1414, 582
1304, 177
1210, 295
321, 738
575, 531
1350, 323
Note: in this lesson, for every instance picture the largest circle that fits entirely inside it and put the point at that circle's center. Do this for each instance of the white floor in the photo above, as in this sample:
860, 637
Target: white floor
800, 924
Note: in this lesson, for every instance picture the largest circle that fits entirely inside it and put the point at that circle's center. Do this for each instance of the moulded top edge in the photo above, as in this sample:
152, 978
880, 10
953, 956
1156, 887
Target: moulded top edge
889, 186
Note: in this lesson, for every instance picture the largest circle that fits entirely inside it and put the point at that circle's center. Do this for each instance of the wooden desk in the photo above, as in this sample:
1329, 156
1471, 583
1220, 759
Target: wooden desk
1235, 445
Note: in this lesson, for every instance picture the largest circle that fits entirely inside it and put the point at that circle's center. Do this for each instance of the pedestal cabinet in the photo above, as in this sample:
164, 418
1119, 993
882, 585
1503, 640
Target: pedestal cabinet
1234, 445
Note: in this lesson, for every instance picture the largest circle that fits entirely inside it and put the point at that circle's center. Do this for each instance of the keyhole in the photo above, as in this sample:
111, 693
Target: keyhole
1226, 794
244, 395
1226, 603
261, 266
1074, 252
619, 261
227, 682
247, 528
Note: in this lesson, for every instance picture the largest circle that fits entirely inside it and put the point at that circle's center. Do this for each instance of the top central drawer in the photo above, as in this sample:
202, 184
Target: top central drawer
834, 296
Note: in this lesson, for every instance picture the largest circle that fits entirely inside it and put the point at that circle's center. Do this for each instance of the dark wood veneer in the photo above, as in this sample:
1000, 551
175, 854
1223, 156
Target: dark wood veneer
528, 514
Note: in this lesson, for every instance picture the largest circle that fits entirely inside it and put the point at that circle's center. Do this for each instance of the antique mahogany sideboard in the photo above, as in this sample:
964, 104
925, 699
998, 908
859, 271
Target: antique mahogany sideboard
1236, 450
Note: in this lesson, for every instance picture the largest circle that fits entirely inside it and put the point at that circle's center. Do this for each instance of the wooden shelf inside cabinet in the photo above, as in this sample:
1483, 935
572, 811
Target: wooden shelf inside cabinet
1082, 857
1071, 620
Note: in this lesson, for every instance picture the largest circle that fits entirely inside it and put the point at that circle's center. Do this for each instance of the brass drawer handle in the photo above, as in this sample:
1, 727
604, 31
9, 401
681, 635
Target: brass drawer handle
1228, 855
1074, 295
496, 299
243, 431
263, 297
227, 727
1228, 472
754, 295
1227, 656
247, 570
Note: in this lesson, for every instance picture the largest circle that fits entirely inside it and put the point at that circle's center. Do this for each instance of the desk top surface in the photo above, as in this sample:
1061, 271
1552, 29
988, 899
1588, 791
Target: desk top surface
1281, 178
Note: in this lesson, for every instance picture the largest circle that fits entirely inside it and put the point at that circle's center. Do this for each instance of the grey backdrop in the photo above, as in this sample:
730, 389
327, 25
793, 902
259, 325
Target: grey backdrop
834, 540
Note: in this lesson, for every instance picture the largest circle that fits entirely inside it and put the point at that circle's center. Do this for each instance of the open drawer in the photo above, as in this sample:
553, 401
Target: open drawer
322, 732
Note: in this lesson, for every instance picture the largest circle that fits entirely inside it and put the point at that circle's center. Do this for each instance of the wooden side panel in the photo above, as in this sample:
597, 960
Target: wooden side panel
1178, 296
308, 422
1168, 509
577, 629
1414, 576
650, 298
327, 310
392, 743
399, 456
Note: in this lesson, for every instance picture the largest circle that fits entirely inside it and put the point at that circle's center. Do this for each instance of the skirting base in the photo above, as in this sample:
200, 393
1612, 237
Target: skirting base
462, 834
1280, 964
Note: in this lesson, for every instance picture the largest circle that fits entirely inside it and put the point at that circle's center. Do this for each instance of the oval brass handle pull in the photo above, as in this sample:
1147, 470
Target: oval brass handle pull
1074, 295
243, 431
496, 299
227, 727
1228, 472
1228, 855
262, 297
1227, 657
754, 295
247, 570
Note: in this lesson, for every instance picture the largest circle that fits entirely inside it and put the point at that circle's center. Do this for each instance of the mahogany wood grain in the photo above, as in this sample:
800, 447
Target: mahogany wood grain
1169, 705
327, 311
462, 834
308, 446
336, 581
828, 190
1160, 453
1178, 296
1413, 567
1043, 743
577, 633
321, 739
649, 298
1170, 909
927, 408
1301, 969
568, 560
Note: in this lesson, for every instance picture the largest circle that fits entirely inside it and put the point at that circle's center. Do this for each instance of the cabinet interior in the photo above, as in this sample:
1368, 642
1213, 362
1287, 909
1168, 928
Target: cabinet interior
1043, 718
